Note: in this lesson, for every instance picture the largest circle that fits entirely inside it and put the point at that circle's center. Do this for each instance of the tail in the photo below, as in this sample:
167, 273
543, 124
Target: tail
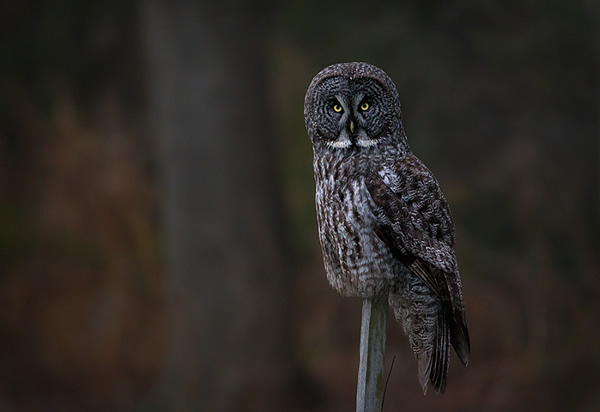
431, 328
435, 362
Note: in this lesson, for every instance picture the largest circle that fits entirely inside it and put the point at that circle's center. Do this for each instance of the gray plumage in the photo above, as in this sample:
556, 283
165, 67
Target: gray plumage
384, 224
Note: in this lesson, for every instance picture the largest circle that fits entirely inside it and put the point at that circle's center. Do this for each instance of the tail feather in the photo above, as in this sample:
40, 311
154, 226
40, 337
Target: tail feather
461, 341
441, 355
424, 369
435, 360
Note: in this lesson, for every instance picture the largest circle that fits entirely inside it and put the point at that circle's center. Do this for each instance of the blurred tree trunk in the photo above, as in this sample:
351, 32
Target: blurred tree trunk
226, 347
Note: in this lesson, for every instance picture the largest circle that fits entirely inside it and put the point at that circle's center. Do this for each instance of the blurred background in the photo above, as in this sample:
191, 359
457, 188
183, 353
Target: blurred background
158, 244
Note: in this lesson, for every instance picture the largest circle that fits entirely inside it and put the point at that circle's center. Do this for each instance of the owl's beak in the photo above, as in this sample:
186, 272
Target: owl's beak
352, 126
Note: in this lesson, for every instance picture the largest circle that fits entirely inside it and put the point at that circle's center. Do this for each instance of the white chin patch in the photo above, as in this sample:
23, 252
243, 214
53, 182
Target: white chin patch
340, 144
362, 142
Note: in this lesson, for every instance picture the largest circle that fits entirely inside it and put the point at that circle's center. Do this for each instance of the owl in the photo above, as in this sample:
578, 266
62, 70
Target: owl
384, 224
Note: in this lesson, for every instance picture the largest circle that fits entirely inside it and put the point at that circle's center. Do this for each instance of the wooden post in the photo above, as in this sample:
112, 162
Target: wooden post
371, 380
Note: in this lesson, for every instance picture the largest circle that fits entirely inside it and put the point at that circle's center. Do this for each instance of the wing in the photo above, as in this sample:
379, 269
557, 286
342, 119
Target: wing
414, 221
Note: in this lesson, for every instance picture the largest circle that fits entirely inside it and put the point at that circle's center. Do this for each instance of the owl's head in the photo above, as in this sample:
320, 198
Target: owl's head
353, 106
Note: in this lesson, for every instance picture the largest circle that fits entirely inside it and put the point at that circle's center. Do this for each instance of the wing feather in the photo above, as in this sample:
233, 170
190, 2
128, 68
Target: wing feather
414, 221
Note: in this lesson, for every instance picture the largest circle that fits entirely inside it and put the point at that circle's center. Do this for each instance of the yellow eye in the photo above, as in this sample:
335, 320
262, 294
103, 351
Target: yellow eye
365, 106
337, 108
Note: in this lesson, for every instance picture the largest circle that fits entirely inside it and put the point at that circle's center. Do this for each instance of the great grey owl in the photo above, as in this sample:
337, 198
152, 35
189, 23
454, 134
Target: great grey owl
384, 224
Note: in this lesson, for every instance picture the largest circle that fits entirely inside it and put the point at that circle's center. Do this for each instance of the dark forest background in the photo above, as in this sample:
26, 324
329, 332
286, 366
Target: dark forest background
158, 245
